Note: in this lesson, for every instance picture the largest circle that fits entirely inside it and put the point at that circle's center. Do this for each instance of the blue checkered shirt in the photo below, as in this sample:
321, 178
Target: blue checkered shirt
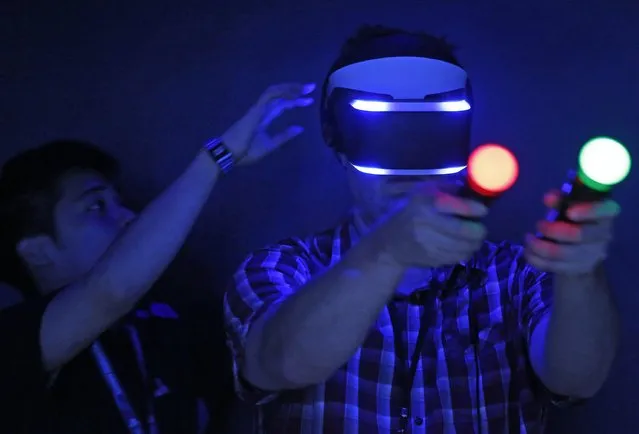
473, 373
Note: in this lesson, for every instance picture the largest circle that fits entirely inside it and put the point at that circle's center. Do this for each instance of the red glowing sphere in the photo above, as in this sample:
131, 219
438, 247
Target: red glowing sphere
492, 169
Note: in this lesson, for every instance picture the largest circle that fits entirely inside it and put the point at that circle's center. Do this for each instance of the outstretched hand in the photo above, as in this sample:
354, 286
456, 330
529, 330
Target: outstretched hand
577, 246
248, 139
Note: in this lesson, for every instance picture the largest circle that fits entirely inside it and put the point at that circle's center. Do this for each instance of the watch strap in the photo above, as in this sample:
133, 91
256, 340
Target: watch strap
220, 154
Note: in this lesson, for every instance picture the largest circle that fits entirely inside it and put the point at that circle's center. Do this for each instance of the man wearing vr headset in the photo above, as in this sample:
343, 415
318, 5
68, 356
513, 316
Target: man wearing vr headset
403, 319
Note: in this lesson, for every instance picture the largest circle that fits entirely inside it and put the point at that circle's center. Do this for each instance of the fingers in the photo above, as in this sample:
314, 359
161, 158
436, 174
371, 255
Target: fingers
582, 212
286, 135
566, 232
277, 107
291, 132
448, 204
560, 231
286, 104
551, 251
280, 98
286, 91
577, 246
561, 258
459, 228
444, 201
450, 216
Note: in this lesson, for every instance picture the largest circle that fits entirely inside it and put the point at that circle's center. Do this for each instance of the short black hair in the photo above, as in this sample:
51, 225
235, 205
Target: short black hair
29, 192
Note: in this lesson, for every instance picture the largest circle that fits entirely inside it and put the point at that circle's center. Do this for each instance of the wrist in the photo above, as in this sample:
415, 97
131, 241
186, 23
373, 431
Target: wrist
597, 274
570, 287
207, 163
375, 251
236, 149
219, 154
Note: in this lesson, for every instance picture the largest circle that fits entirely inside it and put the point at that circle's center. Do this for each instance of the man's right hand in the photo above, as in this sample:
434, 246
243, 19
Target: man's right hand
433, 228
249, 140
314, 331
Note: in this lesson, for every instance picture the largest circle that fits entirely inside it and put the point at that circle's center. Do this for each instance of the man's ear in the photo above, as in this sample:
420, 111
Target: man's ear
37, 251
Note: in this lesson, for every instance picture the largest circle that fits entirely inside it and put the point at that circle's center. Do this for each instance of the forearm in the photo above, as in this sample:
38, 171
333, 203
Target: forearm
150, 243
319, 328
128, 269
581, 335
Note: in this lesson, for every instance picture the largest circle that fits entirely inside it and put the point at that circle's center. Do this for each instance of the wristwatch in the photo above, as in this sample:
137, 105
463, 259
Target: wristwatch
220, 154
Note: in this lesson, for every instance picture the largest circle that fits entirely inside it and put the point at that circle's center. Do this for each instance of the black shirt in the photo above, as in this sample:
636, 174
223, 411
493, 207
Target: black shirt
180, 369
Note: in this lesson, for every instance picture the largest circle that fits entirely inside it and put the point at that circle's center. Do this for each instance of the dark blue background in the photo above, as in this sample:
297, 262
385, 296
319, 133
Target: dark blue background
151, 80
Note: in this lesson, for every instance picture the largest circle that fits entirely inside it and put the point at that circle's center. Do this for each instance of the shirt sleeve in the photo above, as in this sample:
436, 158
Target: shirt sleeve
22, 374
264, 280
536, 302
536, 299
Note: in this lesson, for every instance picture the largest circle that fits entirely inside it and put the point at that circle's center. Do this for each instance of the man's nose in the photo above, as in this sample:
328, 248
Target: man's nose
126, 216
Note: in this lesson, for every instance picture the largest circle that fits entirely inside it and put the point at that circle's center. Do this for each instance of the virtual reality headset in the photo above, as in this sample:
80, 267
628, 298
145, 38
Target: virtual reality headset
405, 114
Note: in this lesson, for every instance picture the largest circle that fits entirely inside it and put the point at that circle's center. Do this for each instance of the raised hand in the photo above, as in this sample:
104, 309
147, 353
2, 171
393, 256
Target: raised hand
248, 139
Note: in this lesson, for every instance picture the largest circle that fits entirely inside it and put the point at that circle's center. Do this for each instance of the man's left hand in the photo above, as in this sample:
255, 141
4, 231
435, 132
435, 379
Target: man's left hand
575, 247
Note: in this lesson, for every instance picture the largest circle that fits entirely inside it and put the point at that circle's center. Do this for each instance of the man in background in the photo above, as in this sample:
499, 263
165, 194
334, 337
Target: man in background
402, 318
79, 354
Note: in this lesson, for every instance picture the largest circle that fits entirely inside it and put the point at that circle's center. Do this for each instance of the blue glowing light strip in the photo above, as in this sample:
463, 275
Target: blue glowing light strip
409, 172
405, 106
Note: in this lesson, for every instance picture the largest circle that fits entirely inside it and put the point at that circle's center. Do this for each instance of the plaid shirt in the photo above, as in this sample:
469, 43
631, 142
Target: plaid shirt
474, 335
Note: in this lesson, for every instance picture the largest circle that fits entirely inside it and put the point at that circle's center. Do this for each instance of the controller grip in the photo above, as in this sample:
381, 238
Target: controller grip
573, 191
466, 192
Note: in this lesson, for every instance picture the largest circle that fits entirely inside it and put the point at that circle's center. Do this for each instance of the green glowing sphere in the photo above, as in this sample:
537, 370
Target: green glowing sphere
604, 161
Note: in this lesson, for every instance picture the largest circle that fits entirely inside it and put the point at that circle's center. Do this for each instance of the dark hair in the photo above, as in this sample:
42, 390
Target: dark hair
365, 45
356, 45
29, 192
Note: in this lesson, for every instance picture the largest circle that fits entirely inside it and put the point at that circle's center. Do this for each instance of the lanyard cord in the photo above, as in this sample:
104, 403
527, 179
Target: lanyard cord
408, 371
129, 417
474, 336
426, 297
408, 368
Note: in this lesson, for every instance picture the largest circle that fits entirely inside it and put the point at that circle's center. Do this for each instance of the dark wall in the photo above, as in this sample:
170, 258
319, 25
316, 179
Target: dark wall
151, 80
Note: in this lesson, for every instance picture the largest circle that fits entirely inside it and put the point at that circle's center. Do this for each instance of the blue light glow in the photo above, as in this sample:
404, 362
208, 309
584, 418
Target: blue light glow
409, 172
405, 106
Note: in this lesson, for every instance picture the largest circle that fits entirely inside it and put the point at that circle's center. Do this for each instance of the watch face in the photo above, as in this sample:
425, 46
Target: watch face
220, 154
